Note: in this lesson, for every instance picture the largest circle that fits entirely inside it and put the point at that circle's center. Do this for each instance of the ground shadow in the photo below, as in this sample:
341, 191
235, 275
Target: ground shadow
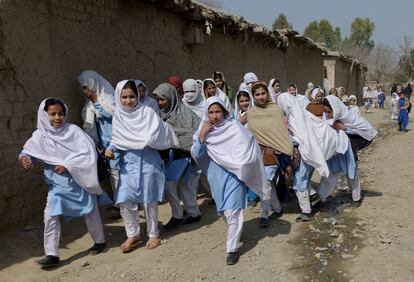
252, 233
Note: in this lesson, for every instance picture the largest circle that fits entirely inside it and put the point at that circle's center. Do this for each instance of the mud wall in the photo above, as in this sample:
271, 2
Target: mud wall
45, 44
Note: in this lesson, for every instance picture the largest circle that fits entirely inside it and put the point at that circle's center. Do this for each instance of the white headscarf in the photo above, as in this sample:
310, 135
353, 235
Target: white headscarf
103, 89
273, 94
250, 77
244, 159
68, 146
315, 92
139, 128
318, 141
220, 94
194, 98
350, 118
236, 102
148, 101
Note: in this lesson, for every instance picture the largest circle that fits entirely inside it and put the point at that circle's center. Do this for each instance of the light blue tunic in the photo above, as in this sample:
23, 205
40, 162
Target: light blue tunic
344, 163
302, 176
66, 197
141, 177
104, 128
228, 191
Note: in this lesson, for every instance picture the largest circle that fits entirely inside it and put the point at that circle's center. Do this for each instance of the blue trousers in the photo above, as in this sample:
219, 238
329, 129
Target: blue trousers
403, 119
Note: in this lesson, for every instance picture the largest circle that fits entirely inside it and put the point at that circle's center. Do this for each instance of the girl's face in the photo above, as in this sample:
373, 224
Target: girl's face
260, 95
328, 112
215, 114
141, 92
56, 115
128, 98
163, 103
219, 83
244, 103
351, 102
210, 91
319, 97
276, 87
292, 90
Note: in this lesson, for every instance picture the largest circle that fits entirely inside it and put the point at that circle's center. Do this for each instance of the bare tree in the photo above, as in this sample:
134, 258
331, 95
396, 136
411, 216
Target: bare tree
406, 48
381, 62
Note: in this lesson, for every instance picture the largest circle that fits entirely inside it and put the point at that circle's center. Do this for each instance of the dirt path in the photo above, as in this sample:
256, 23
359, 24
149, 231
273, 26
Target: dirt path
369, 243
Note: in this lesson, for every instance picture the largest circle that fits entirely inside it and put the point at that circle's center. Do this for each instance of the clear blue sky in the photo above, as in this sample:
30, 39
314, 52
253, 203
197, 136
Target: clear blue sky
393, 18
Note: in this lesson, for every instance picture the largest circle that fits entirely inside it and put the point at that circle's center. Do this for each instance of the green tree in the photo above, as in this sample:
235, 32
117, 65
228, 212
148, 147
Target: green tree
324, 33
281, 22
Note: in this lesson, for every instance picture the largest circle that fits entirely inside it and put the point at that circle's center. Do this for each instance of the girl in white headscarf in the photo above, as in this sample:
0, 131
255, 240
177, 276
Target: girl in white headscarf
360, 133
394, 105
229, 172
352, 102
137, 133
193, 97
144, 98
97, 114
302, 100
316, 141
274, 89
69, 158
210, 90
242, 105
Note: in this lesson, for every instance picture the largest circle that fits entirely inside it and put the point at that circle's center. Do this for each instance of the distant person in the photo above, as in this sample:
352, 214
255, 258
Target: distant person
394, 106
223, 86
393, 88
403, 105
274, 89
408, 91
178, 84
381, 98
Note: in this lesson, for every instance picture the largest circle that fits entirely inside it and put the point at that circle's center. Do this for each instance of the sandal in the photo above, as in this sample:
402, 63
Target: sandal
152, 243
130, 245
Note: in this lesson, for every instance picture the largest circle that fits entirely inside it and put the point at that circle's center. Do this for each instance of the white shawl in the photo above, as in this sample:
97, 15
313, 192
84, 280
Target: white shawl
351, 118
105, 92
140, 127
193, 97
68, 146
234, 148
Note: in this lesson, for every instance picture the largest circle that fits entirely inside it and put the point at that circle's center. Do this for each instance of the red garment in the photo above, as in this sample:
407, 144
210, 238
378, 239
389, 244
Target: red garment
177, 83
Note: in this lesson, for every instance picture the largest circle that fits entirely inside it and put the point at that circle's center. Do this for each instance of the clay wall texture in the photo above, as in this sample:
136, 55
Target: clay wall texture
46, 44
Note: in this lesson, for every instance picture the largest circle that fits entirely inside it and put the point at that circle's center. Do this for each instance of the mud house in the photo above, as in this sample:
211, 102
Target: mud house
45, 44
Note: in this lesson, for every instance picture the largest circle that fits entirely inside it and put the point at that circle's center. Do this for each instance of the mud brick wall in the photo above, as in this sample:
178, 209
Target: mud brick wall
45, 44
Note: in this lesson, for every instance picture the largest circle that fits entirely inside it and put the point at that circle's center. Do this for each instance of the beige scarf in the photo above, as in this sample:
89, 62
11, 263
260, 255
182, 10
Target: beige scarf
268, 127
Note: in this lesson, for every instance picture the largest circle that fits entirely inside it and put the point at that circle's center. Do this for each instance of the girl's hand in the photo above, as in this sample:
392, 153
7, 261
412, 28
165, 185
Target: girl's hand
207, 126
243, 118
26, 163
91, 95
59, 169
338, 125
109, 154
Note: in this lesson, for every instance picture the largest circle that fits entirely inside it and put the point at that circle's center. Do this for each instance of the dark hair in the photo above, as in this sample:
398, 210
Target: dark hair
53, 101
131, 85
244, 94
275, 81
325, 102
206, 83
217, 74
221, 106
292, 85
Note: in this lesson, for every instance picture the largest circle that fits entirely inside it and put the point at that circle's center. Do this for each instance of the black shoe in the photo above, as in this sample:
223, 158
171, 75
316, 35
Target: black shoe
212, 202
173, 223
192, 219
405, 130
304, 217
96, 249
356, 204
49, 261
232, 258
264, 222
276, 215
